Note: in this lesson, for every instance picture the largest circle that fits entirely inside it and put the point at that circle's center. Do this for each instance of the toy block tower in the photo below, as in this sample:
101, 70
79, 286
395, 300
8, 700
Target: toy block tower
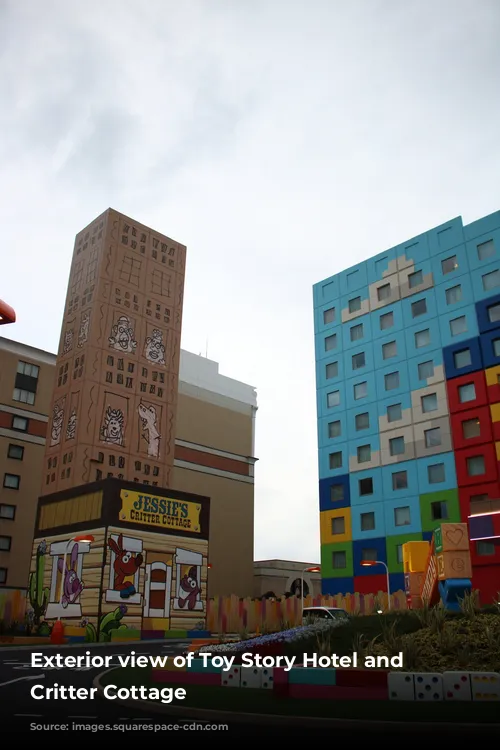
115, 394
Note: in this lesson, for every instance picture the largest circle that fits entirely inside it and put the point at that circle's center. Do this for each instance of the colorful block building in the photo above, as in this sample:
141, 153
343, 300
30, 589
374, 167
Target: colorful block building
408, 401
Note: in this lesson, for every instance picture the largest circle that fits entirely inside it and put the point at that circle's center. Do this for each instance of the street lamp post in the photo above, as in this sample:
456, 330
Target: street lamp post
75, 540
315, 569
370, 564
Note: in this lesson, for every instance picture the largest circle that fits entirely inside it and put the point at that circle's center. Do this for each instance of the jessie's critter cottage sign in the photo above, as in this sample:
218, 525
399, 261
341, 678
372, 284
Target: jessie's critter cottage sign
110, 555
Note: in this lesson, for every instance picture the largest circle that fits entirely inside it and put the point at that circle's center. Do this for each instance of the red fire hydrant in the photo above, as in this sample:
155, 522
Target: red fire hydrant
57, 634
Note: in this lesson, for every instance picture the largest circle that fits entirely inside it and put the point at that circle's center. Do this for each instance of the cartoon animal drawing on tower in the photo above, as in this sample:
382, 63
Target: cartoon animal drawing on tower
113, 428
68, 341
154, 349
122, 336
72, 586
71, 426
124, 566
83, 332
189, 589
150, 433
57, 423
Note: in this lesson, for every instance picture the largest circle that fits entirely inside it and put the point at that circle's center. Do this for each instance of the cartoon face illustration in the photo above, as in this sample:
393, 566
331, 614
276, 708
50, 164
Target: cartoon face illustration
125, 564
154, 350
122, 336
113, 428
72, 586
189, 589
147, 415
83, 333
71, 426
68, 341
57, 424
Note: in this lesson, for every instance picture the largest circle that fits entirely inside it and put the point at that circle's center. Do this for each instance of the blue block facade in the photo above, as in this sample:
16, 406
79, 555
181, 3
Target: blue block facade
390, 333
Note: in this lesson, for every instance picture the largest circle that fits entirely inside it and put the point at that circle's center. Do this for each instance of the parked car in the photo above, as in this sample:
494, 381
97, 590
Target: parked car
324, 613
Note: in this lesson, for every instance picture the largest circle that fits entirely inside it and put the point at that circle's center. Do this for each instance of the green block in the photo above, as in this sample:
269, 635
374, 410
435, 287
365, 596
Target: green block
327, 569
451, 507
198, 668
176, 634
127, 634
392, 543
438, 540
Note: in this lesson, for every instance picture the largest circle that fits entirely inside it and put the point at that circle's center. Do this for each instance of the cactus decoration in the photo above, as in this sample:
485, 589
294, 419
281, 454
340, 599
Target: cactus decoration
110, 622
38, 595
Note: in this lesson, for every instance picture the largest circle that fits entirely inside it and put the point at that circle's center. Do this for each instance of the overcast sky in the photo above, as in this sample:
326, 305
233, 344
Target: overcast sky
281, 141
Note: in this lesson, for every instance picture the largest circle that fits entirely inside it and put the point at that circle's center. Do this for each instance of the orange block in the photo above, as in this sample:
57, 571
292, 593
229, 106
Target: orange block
454, 565
413, 582
414, 602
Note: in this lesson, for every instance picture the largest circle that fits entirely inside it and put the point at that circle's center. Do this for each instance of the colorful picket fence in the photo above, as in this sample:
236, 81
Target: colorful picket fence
230, 614
12, 606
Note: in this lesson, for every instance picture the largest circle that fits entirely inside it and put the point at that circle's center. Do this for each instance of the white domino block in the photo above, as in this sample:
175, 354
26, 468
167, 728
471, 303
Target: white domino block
428, 686
231, 678
401, 686
251, 677
456, 686
485, 686
267, 679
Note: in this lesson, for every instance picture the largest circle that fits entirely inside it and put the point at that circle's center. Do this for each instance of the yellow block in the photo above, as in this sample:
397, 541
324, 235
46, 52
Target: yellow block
495, 412
492, 374
331, 521
415, 556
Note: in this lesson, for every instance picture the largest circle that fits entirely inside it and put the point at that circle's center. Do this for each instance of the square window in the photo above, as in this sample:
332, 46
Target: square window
15, 451
5, 543
362, 421
11, 481
7, 512
432, 437
358, 361
338, 526
394, 413
391, 381
429, 402
475, 466
19, 423
386, 321
399, 554
384, 292
496, 347
439, 511
419, 308
485, 250
333, 399
25, 397
389, 350
397, 446
453, 295
462, 358
494, 313
334, 429
458, 325
364, 453
3, 575
331, 370
360, 390
466, 393
485, 549
329, 316
491, 280
471, 428
356, 332
355, 304
331, 342
415, 279
336, 460
339, 560
400, 480
422, 338
426, 370
365, 486
368, 555
367, 521
402, 516
337, 493
435, 473
448, 265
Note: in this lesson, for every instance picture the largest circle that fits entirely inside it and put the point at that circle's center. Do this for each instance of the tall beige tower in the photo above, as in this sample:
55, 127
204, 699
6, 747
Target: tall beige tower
115, 395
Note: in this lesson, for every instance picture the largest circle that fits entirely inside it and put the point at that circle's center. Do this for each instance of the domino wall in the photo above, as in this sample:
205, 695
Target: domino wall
408, 402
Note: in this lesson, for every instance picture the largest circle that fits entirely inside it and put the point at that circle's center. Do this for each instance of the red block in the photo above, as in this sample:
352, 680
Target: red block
281, 690
480, 414
453, 386
490, 464
324, 692
280, 676
492, 490
362, 678
185, 678
370, 584
486, 580
152, 635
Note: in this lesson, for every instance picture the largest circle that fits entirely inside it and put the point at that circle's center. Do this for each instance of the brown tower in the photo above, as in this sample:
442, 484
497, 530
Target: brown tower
115, 395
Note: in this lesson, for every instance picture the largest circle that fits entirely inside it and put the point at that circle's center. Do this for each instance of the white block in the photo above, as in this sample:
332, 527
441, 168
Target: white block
251, 677
485, 686
428, 686
456, 686
267, 679
231, 678
401, 686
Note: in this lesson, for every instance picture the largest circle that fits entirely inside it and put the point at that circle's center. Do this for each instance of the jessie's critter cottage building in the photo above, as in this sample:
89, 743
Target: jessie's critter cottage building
115, 554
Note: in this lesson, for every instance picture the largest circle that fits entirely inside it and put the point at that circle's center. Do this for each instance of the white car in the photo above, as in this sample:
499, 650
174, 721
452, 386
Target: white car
324, 613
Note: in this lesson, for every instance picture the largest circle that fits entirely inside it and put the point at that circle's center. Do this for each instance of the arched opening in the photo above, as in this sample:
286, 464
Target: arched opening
295, 588
269, 595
